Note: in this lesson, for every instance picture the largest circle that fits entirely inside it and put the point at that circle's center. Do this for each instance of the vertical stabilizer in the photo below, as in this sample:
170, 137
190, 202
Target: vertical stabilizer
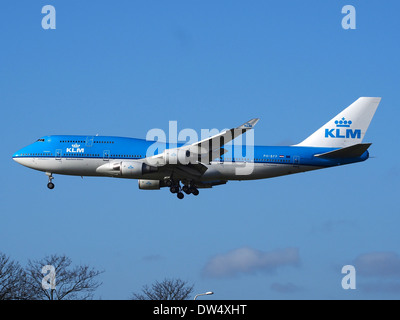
347, 128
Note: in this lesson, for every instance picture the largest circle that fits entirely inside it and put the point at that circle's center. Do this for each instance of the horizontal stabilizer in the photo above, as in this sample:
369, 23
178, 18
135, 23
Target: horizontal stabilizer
353, 151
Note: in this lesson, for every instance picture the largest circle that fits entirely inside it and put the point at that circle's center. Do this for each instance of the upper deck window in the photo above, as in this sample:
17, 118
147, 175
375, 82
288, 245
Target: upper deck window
72, 141
41, 140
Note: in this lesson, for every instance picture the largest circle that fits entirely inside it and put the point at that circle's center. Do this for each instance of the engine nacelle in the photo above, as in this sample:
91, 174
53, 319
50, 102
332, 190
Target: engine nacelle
149, 184
178, 156
135, 169
127, 169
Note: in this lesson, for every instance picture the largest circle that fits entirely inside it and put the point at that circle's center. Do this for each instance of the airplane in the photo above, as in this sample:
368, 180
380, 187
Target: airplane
204, 164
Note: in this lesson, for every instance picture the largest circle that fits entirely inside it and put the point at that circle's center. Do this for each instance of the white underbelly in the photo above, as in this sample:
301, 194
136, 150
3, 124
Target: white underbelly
68, 166
215, 171
251, 171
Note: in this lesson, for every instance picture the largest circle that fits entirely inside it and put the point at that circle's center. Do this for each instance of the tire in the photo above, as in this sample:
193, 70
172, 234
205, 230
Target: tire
173, 189
186, 189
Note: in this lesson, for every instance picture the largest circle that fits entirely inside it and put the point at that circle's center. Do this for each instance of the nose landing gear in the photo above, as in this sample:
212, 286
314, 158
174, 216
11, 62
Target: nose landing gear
50, 185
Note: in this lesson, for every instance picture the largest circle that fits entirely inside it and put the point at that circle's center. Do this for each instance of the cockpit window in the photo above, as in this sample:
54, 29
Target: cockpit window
41, 140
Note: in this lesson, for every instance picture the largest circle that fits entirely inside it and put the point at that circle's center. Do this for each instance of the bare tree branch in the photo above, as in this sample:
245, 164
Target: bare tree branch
71, 283
10, 273
168, 289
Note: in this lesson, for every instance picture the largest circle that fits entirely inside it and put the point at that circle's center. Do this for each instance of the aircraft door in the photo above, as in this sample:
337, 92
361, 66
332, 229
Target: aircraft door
89, 141
106, 155
58, 154
296, 161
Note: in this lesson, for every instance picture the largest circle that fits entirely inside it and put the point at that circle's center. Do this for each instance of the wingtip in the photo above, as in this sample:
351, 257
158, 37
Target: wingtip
249, 124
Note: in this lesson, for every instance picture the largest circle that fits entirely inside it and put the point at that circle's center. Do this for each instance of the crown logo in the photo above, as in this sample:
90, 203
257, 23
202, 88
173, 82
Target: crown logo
343, 123
76, 145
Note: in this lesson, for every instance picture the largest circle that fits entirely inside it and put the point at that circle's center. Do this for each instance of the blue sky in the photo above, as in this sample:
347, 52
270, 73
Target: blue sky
122, 68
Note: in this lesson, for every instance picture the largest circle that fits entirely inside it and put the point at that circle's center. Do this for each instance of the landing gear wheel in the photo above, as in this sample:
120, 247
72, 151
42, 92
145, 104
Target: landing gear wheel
186, 190
174, 189
195, 192
50, 185
180, 195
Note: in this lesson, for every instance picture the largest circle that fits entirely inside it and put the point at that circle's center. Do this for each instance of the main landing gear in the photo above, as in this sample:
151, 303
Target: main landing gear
50, 185
175, 187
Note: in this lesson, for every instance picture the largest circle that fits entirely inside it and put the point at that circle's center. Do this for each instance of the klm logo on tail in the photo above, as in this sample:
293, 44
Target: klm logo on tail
342, 132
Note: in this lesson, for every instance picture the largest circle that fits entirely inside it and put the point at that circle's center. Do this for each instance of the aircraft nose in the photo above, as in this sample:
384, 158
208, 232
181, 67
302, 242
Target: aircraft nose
20, 157
15, 156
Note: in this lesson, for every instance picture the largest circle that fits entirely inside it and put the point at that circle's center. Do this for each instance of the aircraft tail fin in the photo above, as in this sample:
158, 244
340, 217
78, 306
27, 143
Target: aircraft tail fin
347, 128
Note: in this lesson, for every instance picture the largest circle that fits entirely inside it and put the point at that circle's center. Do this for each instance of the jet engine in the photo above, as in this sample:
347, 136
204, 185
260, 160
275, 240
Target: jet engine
149, 184
135, 168
126, 169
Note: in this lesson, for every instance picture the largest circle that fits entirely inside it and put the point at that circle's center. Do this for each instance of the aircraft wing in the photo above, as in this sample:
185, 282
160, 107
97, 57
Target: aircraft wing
201, 152
214, 143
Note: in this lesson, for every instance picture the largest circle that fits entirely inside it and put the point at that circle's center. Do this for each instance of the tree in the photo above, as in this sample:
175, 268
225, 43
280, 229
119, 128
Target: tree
10, 278
77, 282
168, 289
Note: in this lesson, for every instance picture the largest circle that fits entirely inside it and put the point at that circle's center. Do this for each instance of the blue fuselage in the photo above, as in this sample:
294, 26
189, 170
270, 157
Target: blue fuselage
82, 155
